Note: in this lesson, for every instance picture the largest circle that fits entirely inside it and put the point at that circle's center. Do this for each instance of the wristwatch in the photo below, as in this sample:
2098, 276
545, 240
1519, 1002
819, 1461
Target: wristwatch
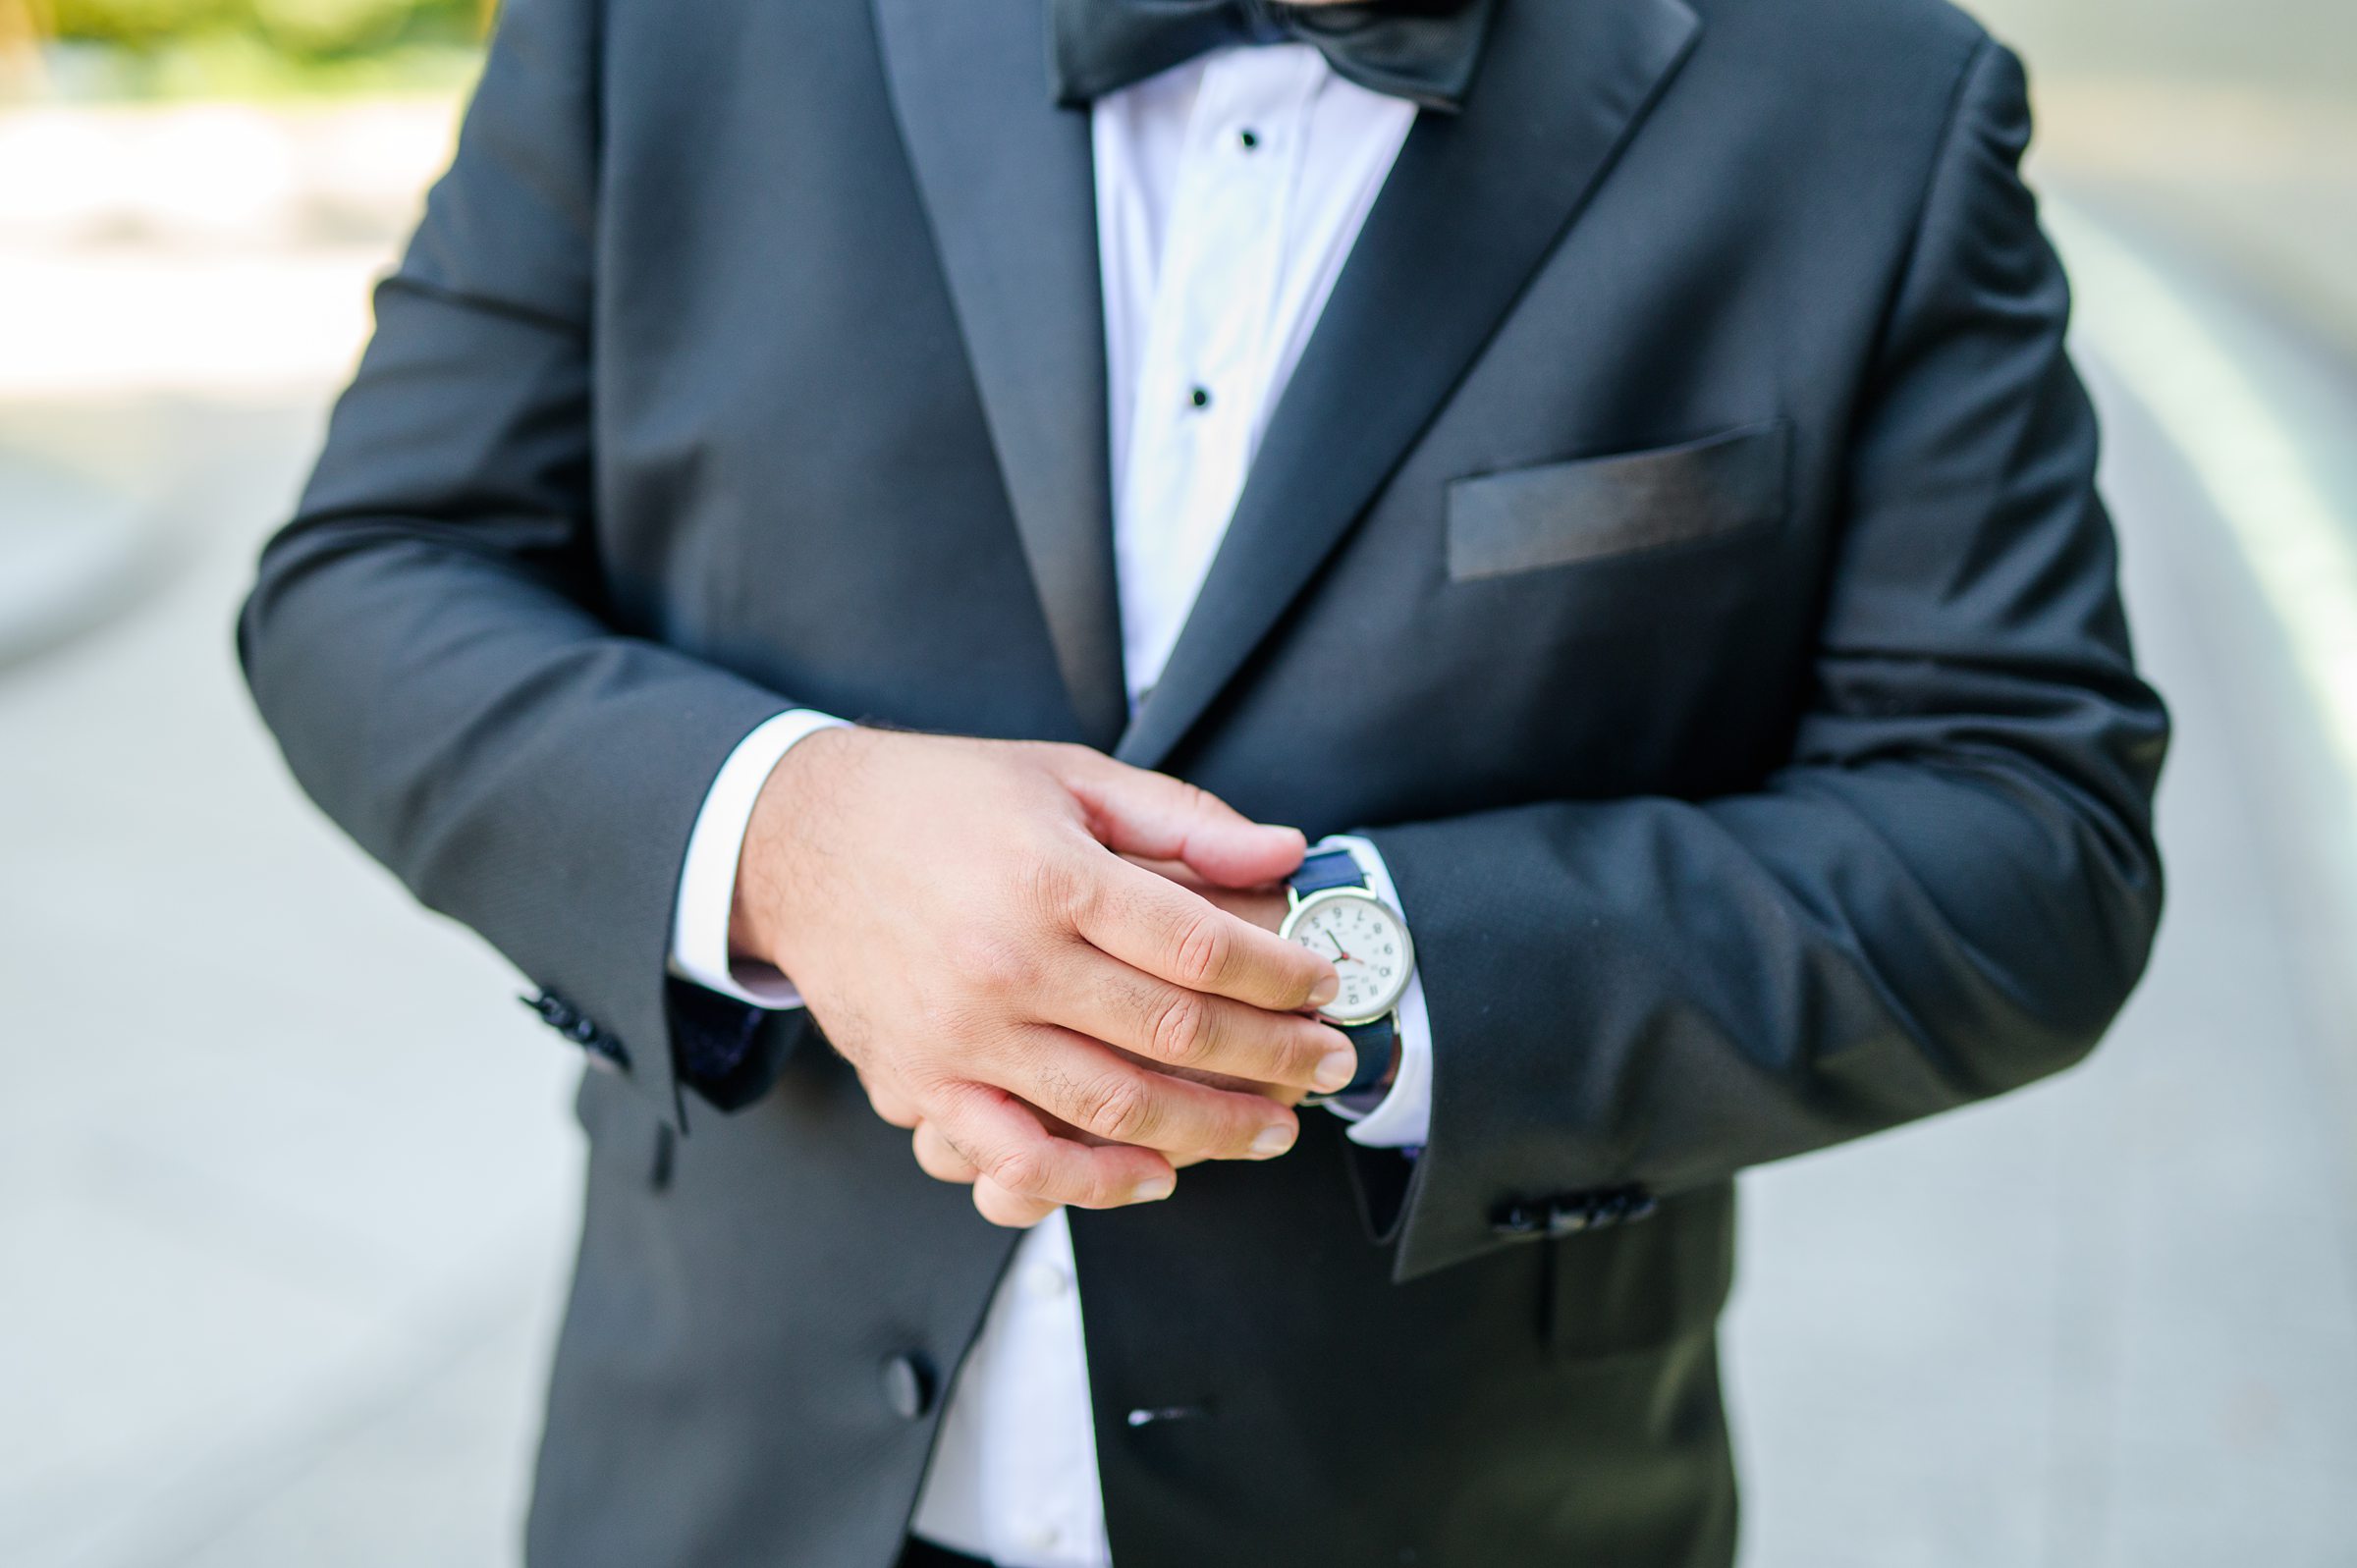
1336, 915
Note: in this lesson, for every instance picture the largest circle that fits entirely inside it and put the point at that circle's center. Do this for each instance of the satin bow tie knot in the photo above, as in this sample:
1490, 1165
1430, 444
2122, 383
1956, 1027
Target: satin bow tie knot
1422, 50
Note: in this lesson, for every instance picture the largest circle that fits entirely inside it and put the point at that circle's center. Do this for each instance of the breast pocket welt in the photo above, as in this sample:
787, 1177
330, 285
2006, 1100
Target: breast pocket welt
1610, 508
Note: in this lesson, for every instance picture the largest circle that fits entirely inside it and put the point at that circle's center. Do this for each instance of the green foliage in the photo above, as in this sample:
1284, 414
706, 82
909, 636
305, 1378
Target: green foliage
331, 26
138, 23
303, 30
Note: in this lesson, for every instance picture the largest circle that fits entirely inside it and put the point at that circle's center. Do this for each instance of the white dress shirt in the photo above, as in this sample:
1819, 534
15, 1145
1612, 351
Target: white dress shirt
1230, 193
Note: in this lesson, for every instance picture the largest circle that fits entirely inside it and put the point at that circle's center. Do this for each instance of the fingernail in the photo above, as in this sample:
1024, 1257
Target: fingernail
1273, 1141
1336, 1069
1153, 1189
1325, 990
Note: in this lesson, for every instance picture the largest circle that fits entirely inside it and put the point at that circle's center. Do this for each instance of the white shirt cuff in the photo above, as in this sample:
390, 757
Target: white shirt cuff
699, 922
1402, 1118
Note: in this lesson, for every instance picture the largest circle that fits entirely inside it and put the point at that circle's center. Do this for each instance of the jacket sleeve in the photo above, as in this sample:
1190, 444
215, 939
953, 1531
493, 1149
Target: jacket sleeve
433, 639
1948, 889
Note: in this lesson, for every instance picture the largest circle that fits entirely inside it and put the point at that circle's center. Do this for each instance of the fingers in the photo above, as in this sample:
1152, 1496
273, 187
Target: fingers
1002, 1208
1173, 1027
1264, 907
1109, 1095
1000, 1138
1152, 924
1136, 812
889, 1104
938, 1158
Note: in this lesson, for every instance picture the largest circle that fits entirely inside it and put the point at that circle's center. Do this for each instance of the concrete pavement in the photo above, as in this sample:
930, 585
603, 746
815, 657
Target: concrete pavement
284, 1176
72, 551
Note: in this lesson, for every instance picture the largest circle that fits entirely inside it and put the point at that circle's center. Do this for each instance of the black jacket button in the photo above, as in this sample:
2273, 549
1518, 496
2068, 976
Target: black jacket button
1517, 1221
909, 1385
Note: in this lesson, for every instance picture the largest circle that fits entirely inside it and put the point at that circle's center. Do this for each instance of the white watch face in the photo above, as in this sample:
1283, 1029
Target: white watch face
1366, 943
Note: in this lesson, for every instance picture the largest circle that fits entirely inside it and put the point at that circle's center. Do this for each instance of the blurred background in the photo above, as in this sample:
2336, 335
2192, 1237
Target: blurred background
286, 1181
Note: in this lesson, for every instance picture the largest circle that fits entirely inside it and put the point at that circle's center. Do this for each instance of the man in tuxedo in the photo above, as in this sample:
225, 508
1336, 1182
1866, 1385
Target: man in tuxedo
869, 531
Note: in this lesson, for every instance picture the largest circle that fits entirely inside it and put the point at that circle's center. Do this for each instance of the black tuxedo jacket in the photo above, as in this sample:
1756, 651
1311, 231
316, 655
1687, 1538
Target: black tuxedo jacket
1688, 449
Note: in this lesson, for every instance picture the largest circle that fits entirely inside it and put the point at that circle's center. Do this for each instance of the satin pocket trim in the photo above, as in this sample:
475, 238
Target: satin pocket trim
1593, 508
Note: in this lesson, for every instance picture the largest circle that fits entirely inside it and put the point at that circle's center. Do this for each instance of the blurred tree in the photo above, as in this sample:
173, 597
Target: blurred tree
137, 23
23, 25
332, 26
303, 28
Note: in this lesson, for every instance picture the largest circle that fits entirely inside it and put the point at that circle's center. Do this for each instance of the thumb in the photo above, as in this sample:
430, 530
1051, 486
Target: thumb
1133, 812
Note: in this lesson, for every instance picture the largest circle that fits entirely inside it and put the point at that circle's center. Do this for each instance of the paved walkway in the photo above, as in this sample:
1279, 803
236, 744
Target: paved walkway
71, 552
284, 1176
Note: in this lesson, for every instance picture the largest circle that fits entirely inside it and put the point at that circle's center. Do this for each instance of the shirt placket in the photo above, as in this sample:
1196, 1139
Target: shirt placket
1059, 1522
1204, 373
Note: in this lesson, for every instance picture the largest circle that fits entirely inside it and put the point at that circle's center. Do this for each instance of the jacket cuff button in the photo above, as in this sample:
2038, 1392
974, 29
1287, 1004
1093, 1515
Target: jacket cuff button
909, 1385
1518, 1220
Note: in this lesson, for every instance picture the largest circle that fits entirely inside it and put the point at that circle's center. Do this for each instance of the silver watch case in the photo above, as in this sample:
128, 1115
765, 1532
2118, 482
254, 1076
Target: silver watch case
1302, 907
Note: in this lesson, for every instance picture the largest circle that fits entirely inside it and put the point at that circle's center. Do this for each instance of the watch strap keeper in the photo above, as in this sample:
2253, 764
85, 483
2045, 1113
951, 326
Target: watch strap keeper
1377, 1042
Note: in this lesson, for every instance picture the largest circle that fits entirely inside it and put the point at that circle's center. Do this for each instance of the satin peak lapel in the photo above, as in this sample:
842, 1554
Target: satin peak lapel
1473, 205
1008, 181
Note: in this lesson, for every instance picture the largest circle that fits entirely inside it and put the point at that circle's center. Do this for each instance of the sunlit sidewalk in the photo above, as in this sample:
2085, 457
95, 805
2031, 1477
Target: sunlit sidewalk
217, 250
215, 253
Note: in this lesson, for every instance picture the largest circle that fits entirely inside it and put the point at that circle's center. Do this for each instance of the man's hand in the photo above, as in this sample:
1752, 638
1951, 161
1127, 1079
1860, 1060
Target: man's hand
1264, 907
957, 917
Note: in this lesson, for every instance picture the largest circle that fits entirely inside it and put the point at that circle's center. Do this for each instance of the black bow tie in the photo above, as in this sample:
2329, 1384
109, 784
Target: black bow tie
1422, 50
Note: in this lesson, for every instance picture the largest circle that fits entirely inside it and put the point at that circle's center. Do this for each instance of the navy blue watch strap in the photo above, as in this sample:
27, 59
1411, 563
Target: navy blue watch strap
1327, 868
1376, 1042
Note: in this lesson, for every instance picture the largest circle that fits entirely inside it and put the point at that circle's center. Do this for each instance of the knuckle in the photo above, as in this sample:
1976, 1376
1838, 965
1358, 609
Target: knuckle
940, 1161
934, 1087
1117, 1107
1018, 1170
997, 965
1083, 899
1045, 883
1181, 1032
1203, 949
1055, 887
999, 1206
